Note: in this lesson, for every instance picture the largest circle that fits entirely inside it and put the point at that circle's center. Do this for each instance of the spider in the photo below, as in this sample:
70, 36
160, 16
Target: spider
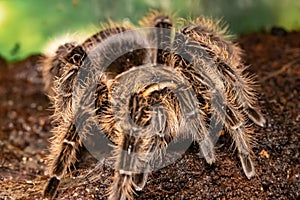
170, 83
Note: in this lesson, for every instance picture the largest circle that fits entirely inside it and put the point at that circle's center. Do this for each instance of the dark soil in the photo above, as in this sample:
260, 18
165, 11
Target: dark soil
275, 58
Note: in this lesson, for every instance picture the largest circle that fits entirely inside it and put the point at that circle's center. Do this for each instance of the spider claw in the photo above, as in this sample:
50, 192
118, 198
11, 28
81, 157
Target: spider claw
256, 117
140, 180
51, 188
208, 152
247, 165
122, 188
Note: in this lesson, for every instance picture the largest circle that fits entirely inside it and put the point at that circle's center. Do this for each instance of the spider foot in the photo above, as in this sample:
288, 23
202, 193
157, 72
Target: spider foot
208, 152
140, 180
256, 117
247, 165
51, 188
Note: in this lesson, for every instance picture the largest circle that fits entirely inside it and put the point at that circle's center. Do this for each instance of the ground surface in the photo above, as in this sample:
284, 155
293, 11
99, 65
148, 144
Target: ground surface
275, 58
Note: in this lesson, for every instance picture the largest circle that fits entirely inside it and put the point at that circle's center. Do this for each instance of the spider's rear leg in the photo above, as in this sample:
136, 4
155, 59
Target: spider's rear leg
163, 25
161, 35
189, 60
222, 58
236, 124
242, 142
242, 86
227, 58
240, 95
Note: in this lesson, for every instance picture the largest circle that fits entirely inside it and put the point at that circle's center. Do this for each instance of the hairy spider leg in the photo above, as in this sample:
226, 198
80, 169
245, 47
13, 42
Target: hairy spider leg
54, 66
238, 89
66, 141
161, 35
227, 57
207, 60
146, 133
64, 145
190, 60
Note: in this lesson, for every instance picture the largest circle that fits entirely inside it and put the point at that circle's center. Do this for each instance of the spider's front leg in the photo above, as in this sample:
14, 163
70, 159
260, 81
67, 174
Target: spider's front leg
150, 111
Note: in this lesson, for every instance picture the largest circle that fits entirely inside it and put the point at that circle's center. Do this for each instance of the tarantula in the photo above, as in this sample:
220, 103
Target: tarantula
169, 84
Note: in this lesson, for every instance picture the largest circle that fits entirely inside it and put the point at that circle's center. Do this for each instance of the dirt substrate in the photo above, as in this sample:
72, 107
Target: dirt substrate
275, 58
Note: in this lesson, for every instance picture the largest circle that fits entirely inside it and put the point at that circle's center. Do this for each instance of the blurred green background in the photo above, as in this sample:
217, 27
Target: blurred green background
27, 25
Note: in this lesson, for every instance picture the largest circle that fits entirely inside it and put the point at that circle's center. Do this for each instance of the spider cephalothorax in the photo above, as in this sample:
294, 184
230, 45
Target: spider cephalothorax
150, 88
